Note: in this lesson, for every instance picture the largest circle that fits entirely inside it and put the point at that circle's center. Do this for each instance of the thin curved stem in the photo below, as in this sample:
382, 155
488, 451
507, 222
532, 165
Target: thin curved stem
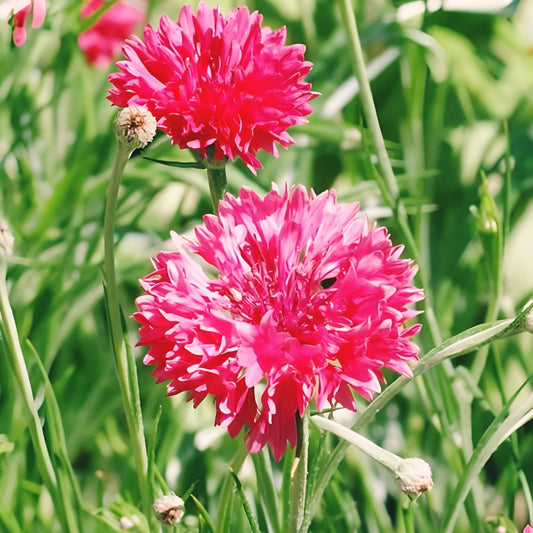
127, 372
386, 180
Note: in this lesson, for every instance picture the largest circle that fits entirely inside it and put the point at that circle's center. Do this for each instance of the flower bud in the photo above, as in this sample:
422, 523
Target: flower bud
413, 476
6, 239
135, 126
169, 509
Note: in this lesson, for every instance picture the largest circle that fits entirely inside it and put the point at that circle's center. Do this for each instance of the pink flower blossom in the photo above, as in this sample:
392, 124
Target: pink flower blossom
306, 303
215, 81
102, 42
528, 529
19, 20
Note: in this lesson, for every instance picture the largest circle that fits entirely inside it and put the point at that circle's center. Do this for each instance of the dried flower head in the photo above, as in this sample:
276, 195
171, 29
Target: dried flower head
215, 81
169, 509
307, 303
414, 477
135, 126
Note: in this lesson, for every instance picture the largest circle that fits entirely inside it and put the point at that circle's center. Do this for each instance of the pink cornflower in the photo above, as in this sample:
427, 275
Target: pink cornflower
20, 16
102, 42
223, 83
303, 302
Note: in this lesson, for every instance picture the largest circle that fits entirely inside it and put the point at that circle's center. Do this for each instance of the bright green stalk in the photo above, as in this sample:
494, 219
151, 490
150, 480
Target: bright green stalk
217, 185
127, 373
386, 180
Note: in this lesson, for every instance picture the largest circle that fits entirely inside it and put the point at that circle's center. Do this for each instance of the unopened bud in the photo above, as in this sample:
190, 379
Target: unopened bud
413, 476
169, 509
135, 126
6, 239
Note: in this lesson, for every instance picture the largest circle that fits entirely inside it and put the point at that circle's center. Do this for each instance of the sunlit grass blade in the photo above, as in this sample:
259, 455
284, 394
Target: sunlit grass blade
204, 514
67, 483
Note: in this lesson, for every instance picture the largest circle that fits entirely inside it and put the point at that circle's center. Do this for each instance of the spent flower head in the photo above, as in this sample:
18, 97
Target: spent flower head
307, 303
135, 126
217, 81
169, 509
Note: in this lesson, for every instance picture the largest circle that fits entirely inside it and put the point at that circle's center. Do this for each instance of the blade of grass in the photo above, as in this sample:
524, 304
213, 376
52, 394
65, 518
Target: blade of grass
226, 495
246, 504
265, 486
204, 514
511, 418
67, 483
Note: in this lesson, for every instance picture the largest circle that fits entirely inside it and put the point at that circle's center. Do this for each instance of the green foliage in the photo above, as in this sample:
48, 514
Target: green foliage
454, 96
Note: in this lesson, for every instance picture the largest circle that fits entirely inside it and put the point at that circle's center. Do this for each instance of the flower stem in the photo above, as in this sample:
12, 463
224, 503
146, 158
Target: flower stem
127, 372
386, 458
386, 181
217, 185
299, 476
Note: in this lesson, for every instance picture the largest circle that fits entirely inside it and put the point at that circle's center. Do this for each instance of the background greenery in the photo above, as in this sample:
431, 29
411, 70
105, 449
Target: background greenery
454, 94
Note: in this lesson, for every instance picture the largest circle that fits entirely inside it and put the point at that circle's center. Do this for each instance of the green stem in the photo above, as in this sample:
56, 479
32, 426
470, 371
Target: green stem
369, 109
127, 372
386, 180
386, 458
16, 359
299, 477
217, 185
